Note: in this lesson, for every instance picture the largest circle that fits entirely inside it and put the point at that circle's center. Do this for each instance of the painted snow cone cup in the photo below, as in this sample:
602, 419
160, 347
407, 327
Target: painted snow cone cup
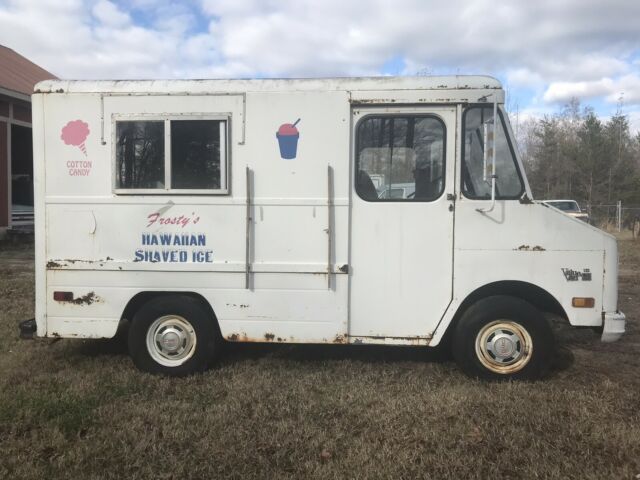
287, 136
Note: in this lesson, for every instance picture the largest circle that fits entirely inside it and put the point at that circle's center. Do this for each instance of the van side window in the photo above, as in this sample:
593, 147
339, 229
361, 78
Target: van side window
195, 154
400, 158
140, 154
181, 156
475, 184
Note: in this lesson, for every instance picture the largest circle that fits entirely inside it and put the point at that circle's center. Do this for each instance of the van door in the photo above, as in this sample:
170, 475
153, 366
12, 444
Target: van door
401, 221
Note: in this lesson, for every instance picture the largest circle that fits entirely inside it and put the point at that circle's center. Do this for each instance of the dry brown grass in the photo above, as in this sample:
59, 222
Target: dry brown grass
79, 409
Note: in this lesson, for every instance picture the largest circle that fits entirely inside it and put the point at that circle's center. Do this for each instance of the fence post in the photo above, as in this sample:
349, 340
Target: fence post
619, 216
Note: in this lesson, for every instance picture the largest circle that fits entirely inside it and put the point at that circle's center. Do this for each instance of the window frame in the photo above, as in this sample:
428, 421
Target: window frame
400, 115
225, 153
514, 157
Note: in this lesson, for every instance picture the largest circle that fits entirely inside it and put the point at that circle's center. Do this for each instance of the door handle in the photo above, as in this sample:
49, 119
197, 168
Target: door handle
451, 198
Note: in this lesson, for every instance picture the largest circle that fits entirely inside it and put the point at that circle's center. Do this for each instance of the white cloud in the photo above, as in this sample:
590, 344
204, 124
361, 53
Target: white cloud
575, 41
564, 91
532, 42
110, 15
556, 50
627, 87
582, 66
634, 120
523, 77
98, 39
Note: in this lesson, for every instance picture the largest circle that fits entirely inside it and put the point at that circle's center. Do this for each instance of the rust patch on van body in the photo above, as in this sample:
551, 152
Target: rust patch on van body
87, 299
527, 248
268, 337
65, 262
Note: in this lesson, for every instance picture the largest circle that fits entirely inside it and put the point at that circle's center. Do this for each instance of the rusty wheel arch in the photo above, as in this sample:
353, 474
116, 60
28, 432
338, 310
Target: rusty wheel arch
535, 295
141, 298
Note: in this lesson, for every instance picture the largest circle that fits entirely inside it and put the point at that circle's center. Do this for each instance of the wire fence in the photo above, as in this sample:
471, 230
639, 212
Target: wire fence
615, 217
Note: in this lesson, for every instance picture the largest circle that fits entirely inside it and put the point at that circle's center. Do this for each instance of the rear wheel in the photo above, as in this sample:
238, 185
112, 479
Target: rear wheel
503, 337
173, 335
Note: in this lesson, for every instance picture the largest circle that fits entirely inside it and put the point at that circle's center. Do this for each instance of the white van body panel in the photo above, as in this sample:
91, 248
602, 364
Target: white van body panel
287, 251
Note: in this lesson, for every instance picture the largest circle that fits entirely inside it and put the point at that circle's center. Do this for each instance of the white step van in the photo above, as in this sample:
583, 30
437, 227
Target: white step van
351, 211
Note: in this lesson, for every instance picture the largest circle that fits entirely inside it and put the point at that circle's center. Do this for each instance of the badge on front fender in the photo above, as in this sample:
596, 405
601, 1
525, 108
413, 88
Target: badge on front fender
575, 275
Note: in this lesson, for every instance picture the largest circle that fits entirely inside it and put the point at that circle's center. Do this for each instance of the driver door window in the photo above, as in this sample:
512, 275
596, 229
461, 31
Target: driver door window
400, 158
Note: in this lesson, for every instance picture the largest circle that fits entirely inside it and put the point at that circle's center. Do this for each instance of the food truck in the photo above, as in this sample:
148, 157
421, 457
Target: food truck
384, 210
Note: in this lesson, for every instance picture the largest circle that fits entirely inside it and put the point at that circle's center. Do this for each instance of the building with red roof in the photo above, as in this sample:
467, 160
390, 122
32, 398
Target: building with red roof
17, 79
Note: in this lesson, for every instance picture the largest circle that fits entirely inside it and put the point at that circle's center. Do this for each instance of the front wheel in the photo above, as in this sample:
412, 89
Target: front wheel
503, 337
173, 335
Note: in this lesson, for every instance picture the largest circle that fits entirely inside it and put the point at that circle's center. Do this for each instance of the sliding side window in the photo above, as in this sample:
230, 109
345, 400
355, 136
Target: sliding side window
476, 167
400, 158
170, 155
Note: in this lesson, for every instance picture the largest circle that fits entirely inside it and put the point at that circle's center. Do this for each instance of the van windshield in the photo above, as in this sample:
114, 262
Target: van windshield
475, 184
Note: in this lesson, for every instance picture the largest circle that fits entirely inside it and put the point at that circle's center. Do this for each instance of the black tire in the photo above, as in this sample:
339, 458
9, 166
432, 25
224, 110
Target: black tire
181, 321
516, 329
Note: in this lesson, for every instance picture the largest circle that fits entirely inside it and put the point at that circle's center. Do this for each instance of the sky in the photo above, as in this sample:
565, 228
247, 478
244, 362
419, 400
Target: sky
544, 52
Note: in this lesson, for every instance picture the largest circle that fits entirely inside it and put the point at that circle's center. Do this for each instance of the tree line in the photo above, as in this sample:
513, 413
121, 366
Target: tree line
576, 155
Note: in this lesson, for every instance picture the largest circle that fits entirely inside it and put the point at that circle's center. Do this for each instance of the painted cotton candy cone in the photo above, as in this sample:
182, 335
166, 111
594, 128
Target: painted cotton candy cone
75, 133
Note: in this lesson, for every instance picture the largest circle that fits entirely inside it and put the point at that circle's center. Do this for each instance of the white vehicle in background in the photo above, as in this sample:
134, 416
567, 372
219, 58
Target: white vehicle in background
397, 191
570, 207
205, 211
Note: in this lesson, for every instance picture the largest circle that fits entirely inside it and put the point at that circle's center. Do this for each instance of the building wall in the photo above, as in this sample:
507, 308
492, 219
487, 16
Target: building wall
4, 176
16, 112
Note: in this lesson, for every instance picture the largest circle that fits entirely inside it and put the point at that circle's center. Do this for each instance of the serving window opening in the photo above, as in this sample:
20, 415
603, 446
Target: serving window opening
171, 155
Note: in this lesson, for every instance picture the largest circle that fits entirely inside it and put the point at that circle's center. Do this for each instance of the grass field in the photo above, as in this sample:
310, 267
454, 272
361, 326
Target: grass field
79, 409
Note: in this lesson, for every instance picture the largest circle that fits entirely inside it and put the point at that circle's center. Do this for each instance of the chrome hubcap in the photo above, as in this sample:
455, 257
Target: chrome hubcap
171, 340
504, 346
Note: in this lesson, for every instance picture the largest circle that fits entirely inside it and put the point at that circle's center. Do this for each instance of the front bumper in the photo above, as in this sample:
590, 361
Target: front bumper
613, 326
